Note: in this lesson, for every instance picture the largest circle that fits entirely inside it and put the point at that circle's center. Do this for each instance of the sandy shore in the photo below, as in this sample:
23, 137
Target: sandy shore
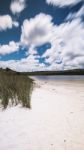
55, 122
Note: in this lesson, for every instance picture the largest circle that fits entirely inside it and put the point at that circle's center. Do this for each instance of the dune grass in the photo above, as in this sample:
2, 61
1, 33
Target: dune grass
15, 89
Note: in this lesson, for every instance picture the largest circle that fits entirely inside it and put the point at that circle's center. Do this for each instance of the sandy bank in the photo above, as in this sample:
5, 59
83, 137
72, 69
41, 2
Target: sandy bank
55, 122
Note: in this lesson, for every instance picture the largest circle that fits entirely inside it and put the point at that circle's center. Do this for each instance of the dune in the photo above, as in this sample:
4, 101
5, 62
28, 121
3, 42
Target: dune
55, 122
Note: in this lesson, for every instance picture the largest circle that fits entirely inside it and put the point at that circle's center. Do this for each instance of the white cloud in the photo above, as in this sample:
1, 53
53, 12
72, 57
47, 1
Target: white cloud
15, 23
6, 22
68, 47
76, 15
25, 64
17, 6
67, 44
62, 3
74, 43
67, 39
31, 51
10, 48
37, 31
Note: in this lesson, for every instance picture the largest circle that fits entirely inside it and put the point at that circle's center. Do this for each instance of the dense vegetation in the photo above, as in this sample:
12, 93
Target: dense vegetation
65, 72
14, 89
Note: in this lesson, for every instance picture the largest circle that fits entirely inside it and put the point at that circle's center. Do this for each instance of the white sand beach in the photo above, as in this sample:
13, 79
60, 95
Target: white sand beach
55, 122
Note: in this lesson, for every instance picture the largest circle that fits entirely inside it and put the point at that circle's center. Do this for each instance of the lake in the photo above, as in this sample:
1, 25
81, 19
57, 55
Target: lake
60, 78
55, 120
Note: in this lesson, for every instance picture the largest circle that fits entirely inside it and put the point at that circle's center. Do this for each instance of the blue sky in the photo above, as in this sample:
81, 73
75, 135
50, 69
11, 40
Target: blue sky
41, 34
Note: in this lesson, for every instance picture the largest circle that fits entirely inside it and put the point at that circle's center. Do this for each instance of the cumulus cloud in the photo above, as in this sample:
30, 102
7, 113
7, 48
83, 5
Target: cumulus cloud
6, 22
76, 15
67, 44
63, 3
23, 65
31, 51
17, 6
10, 48
67, 40
74, 43
37, 31
68, 47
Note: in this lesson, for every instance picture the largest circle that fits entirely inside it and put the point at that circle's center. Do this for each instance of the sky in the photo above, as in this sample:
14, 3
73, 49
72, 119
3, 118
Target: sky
39, 35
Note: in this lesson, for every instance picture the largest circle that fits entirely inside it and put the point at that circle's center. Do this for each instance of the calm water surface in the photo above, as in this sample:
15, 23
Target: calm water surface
60, 78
